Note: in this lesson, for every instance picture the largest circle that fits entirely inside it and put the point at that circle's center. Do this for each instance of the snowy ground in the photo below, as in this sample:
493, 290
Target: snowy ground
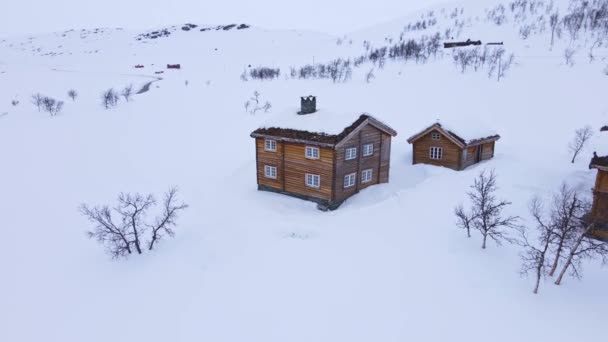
389, 265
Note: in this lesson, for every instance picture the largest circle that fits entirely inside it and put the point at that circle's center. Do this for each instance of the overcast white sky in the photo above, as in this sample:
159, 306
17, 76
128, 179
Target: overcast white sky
332, 16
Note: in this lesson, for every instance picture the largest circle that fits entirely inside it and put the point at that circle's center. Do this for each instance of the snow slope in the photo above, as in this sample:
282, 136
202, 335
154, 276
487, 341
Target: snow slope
389, 265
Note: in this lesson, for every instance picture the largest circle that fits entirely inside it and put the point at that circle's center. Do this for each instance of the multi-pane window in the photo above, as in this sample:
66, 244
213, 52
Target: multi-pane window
436, 153
312, 152
366, 175
351, 153
270, 145
349, 180
368, 150
313, 181
270, 171
435, 136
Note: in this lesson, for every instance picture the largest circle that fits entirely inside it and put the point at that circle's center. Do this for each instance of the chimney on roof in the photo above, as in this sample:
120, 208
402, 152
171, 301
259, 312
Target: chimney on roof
309, 105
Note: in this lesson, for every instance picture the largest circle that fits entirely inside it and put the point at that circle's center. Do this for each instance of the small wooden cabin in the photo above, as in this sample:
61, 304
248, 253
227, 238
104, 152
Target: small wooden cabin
309, 160
437, 145
599, 210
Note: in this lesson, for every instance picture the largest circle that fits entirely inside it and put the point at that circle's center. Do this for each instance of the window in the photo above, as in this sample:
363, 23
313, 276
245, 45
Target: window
312, 152
351, 153
349, 180
435, 136
270, 172
270, 145
368, 150
436, 153
366, 175
313, 181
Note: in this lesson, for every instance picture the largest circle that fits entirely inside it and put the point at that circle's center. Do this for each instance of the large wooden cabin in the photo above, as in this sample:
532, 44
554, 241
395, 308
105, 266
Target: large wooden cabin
437, 145
599, 210
302, 160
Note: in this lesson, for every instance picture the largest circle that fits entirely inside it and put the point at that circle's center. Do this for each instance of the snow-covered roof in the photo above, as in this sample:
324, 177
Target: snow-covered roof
322, 121
465, 132
322, 127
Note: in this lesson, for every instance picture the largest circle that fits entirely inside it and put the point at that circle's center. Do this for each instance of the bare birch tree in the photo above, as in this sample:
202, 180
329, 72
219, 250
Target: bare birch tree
485, 214
122, 230
535, 256
581, 137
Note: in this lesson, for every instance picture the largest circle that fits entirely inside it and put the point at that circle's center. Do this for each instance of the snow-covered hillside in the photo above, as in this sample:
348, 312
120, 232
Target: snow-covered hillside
389, 265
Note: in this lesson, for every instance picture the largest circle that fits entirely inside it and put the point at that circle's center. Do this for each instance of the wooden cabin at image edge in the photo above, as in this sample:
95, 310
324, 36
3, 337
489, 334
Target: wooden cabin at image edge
599, 210
437, 145
322, 157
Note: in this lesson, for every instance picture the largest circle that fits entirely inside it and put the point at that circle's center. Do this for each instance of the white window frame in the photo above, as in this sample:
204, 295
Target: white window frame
270, 171
313, 181
350, 153
312, 152
436, 153
350, 180
436, 136
368, 150
367, 175
270, 145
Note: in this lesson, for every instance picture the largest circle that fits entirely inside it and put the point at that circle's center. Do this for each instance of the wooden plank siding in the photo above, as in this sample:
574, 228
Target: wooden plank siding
454, 157
271, 159
332, 166
297, 166
452, 153
599, 210
367, 135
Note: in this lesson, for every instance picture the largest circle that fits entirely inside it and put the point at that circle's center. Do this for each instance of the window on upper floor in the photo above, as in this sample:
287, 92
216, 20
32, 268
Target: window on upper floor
312, 152
435, 136
351, 153
270, 145
368, 150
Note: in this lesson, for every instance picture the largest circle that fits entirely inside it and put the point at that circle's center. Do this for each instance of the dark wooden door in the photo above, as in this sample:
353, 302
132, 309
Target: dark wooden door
479, 153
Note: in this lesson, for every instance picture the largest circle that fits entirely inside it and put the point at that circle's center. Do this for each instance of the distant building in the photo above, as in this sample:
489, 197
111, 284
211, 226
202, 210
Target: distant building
321, 157
599, 210
437, 145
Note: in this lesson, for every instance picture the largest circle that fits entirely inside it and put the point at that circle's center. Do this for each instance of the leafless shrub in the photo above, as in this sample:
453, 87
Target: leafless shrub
109, 98
51, 105
253, 105
581, 137
37, 100
123, 229
15, 102
485, 214
569, 56
127, 92
370, 75
73, 94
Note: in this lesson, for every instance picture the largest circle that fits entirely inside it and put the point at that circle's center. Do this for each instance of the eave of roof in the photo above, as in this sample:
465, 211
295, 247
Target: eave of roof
455, 138
320, 139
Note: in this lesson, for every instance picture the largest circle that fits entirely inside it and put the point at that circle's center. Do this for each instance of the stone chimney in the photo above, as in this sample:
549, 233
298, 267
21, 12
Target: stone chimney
309, 105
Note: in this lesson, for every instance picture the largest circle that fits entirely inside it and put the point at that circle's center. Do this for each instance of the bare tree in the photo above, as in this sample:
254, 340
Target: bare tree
569, 56
109, 98
127, 92
125, 235
370, 76
37, 100
164, 224
554, 22
582, 247
267, 106
534, 259
73, 94
15, 102
464, 221
581, 137
566, 210
51, 105
485, 214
